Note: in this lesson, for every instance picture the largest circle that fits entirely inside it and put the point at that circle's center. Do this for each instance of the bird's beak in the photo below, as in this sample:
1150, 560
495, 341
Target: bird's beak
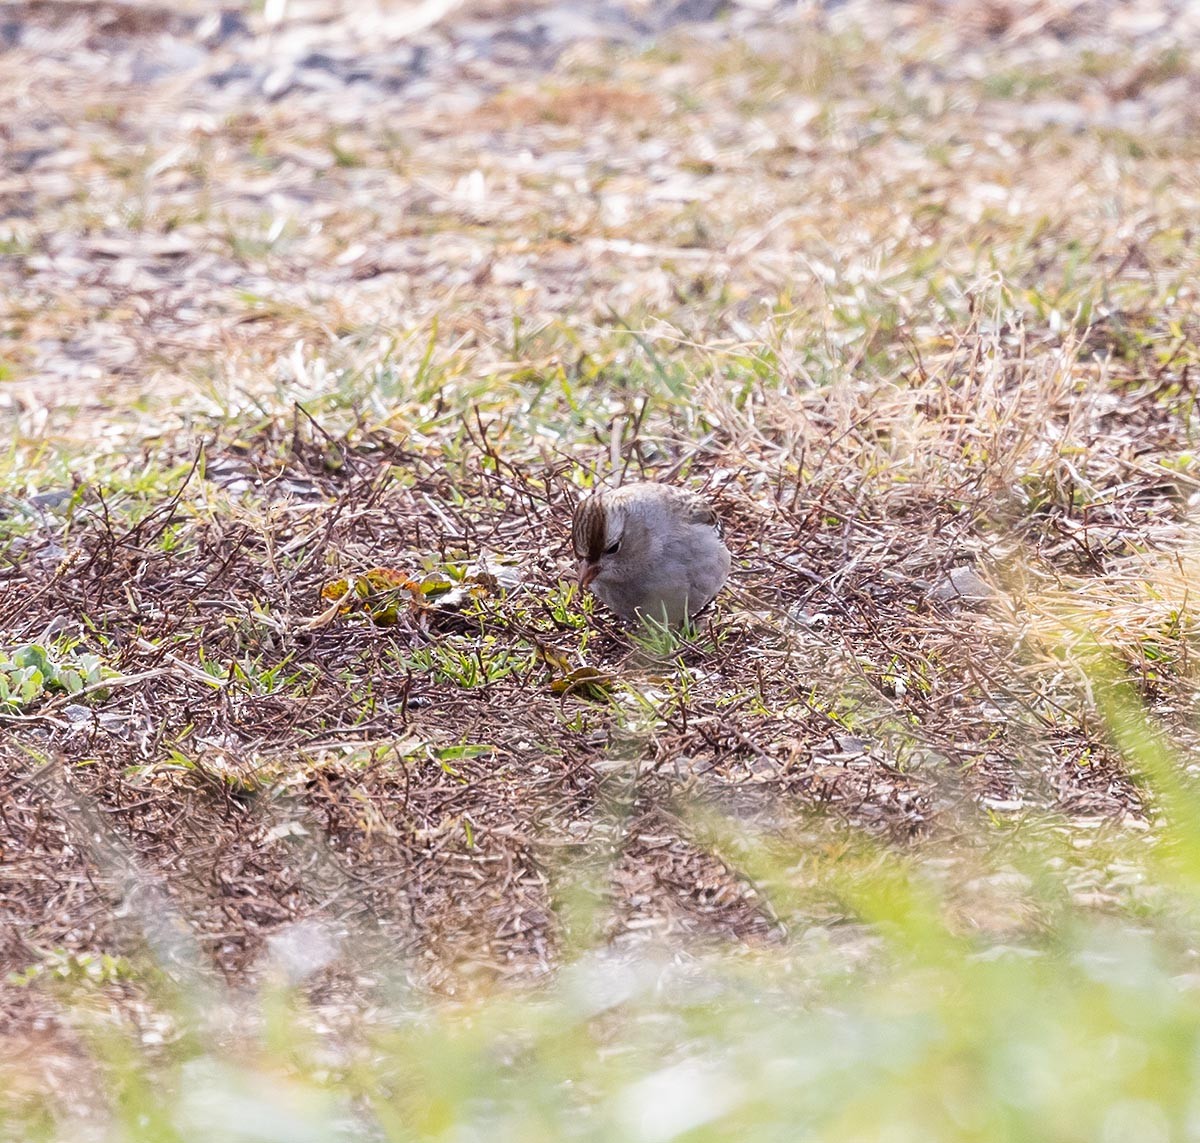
587, 572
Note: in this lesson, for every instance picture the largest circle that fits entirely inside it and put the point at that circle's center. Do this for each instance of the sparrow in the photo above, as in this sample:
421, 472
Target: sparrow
650, 551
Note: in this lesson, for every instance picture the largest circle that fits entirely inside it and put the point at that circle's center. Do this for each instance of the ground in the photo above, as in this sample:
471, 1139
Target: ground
290, 294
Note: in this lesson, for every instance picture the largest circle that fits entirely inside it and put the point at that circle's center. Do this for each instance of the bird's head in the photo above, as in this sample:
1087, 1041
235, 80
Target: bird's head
610, 534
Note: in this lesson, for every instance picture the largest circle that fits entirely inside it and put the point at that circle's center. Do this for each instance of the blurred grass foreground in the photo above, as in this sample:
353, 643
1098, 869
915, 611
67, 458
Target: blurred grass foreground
884, 1021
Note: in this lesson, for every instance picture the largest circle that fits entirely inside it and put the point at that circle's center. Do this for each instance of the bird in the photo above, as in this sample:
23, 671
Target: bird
650, 551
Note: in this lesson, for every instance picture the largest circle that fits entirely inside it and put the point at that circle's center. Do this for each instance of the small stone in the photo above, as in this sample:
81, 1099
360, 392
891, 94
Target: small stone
962, 584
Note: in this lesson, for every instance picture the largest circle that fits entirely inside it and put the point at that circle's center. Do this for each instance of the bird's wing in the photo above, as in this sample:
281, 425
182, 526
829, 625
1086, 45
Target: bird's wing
697, 509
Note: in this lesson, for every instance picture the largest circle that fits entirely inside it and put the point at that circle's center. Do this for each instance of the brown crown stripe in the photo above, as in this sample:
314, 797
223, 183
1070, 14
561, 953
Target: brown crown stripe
587, 530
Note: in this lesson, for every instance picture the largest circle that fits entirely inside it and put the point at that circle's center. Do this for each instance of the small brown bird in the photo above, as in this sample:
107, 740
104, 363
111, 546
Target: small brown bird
650, 551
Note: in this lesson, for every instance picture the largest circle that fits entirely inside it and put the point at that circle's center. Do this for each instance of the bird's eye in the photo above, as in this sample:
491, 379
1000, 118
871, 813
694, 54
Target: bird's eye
613, 548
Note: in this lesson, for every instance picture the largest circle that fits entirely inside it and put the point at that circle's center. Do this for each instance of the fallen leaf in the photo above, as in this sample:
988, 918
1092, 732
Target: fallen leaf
380, 593
586, 682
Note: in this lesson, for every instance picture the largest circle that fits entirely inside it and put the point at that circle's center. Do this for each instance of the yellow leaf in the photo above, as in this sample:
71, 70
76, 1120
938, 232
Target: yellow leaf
586, 682
380, 593
552, 657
